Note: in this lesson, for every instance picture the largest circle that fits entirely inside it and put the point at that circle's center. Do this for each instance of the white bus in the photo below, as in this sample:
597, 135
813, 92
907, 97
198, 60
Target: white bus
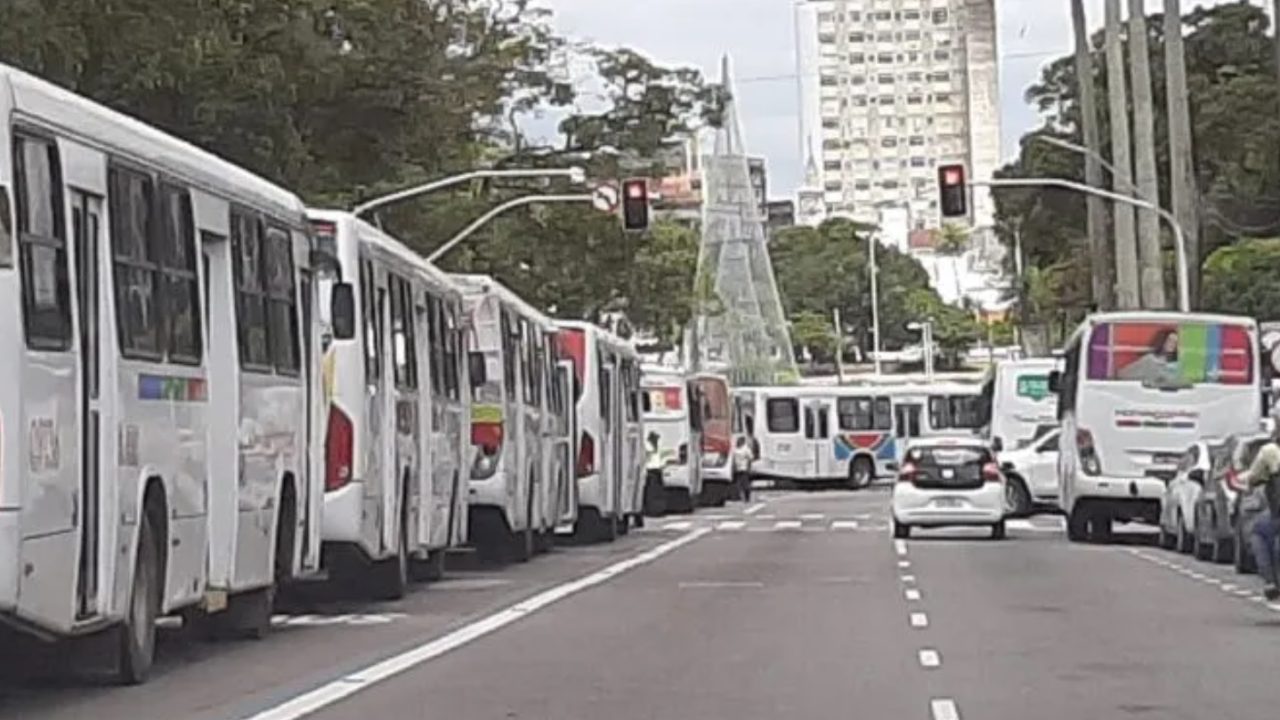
158, 446
396, 411
1016, 405
670, 418
610, 460
517, 496
922, 410
818, 433
1136, 389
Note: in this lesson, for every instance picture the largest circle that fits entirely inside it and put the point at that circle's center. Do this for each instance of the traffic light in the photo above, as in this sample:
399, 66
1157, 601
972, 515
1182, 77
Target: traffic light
635, 204
952, 191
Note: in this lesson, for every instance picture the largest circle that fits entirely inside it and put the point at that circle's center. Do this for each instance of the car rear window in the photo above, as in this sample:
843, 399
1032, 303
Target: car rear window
949, 456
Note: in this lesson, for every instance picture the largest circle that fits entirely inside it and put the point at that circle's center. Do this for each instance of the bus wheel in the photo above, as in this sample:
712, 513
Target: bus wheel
429, 570
137, 635
861, 473
391, 576
1078, 523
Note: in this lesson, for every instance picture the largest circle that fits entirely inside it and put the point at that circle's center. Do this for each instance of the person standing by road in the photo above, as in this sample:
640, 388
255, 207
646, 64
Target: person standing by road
1263, 481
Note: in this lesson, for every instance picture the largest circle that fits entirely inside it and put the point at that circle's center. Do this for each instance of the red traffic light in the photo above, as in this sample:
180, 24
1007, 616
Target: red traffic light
953, 191
635, 204
953, 175
636, 189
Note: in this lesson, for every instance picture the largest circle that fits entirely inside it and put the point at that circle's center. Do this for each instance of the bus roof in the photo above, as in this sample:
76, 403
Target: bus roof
371, 235
56, 109
1167, 316
614, 342
484, 284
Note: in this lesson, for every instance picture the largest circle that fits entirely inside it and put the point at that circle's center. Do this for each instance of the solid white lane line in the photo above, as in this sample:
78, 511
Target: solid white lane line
944, 709
332, 692
753, 509
900, 547
715, 585
908, 578
904, 564
919, 620
844, 524
812, 516
681, 525
929, 658
731, 525
787, 525
911, 594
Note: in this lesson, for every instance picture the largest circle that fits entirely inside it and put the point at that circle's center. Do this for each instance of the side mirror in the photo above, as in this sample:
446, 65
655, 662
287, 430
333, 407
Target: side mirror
997, 444
1055, 381
342, 311
476, 369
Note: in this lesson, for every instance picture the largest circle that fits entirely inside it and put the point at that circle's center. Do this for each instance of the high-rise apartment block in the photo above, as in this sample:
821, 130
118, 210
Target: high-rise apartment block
890, 89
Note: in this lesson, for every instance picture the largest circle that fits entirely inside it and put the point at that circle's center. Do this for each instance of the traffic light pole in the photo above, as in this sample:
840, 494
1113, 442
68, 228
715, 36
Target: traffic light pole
1180, 240
575, 175
480, 222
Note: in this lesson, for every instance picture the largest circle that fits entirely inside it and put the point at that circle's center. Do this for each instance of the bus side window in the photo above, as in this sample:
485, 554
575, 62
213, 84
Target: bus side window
42, 242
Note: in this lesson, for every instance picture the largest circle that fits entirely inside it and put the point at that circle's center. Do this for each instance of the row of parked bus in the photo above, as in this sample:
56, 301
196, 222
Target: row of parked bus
211, 389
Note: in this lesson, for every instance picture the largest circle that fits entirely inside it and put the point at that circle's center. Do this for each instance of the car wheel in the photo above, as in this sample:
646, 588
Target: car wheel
1203, 550
997, 531
1168, 540
1223, 551
902, 531
1017, 498
1244, 563
1078, 523
1186, 541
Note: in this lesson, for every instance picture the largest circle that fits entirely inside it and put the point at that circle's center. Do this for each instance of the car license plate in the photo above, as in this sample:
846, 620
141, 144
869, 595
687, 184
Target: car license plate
948, 502
948, 473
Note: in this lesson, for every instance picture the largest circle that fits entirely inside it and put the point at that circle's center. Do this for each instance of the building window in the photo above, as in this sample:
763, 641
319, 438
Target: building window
862, 185
940, 76
886, 99
831, 123
833, 186
858, 102
942, 97
911, 35
889, 184
885, 78
917, 162
857, 58
831, 145
855, 16
916, 141
885, 58
911, 15
857, 37
915, 99
831, 166
884, 15
828, 81
889, 142
884, 37
915, 77
857, 80
941, 55
826, 38
940, 16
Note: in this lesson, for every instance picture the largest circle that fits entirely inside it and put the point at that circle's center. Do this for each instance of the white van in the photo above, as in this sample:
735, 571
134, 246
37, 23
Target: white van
673, 439
1017, 406
1137, 389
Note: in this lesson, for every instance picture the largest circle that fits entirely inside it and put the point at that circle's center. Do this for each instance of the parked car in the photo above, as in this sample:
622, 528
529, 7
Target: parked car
1218, 535
1178, 505
948, 481
1031, 474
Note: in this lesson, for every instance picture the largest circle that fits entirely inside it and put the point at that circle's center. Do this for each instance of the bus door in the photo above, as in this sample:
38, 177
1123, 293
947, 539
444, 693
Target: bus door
906, 424
86, 220
310, 502
817, 434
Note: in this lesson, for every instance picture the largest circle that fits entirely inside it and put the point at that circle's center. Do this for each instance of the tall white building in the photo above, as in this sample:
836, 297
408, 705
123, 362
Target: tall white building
889, 90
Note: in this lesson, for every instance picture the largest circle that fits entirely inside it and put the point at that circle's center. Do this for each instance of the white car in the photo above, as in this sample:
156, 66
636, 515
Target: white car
1031, 474
1178, 506
948, 481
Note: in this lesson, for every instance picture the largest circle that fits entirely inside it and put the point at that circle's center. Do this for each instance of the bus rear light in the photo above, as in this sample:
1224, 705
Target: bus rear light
339, 449
1088, 452
586, 456
487, 436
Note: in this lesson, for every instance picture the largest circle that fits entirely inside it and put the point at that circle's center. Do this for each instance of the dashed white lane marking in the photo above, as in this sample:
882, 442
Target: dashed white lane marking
919, 620
900, 547
765, 516
678, 525
787, 525
1226, 587
911, 594
731, 525
904, 564
944, 709
716, 516
357, 680
1038, 525
811, 516
930, 658
753, 509
844, 525
908, 579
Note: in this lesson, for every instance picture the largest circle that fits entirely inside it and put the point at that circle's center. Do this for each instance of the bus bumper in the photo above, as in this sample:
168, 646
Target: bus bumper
677, 476
722, 474
10, 556
1135, 497
343, 513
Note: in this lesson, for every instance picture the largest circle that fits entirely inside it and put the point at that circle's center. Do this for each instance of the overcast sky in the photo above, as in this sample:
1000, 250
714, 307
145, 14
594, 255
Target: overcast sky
759, 36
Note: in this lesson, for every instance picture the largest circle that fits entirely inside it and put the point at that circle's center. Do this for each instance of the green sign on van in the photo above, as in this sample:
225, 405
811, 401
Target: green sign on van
1035, 387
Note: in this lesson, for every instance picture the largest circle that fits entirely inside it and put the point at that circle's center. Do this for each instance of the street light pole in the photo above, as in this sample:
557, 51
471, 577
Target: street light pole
575, 175
875, 303
1184, 299
470, 230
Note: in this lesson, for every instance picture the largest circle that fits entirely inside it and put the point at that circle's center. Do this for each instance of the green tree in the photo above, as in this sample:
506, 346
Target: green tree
1241, 279
813, 332
953, 242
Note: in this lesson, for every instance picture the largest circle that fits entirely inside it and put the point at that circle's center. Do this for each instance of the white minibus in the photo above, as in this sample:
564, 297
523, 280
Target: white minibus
159, 444
1016, 405
673, 439
395, 391
1136, 389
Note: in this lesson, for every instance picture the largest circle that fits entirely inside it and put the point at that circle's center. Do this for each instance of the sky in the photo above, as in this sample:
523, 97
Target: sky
759, 37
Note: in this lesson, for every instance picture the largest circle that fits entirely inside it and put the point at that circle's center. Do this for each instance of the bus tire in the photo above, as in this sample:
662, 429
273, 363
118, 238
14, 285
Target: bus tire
522, 542
861, 473
431, 569
136, 641
1078, 523
391, 576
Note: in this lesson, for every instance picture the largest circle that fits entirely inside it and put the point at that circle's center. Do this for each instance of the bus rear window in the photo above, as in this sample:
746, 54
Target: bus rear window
1166, 353
572, 345
783, 415
663, 400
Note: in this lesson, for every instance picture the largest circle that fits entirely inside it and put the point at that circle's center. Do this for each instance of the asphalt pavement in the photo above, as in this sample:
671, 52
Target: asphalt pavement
798, 605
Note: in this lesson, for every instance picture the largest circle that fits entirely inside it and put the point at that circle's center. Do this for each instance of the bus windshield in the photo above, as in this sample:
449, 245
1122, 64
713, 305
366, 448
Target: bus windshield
666, 402
1170, 354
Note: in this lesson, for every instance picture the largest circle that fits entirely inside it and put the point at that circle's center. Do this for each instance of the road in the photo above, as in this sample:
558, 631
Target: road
799, 605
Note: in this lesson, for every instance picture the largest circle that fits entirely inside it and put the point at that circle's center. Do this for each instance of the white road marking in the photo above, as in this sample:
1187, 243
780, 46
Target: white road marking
357, 680
904, 564
787, 525
766, 516
900, 547
844, 525
717, 585
929, 658
911, 594
717, 516
919, 620
731, 525
812, 516
1227, 587
908, 578
753, 509
1244, 593
944, 709
680, 525
1274, 606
